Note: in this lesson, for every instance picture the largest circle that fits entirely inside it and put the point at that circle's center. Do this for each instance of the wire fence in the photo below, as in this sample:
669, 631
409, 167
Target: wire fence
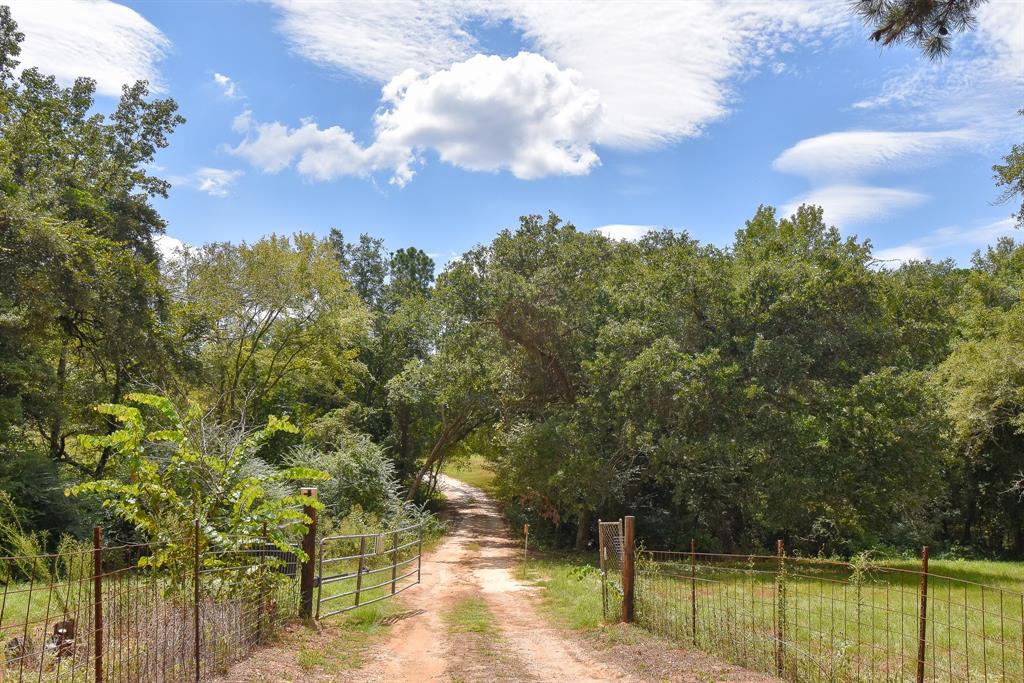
103, 613
817, 620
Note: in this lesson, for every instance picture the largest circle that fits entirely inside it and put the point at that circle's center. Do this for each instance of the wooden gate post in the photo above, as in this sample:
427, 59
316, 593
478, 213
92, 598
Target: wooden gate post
97, 589
307, 578
628, 568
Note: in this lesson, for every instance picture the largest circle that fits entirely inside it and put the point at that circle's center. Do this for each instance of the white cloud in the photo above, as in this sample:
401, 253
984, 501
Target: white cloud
522, 114
942, 240
228, 86
663, 70
215, 182
625, 231
103, 40
169, 247
322, 153
853, 153
980, 85
846, 205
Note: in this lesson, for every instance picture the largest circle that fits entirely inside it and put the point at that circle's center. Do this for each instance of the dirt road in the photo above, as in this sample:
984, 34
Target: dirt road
477, 558
474, 567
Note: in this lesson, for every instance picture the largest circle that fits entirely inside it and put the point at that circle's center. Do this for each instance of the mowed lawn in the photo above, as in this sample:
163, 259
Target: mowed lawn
839, 625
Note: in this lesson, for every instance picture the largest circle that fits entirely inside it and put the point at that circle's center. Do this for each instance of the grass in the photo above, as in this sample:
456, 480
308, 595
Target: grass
351, 636
473, 470
572, 589
838, 625
470, 615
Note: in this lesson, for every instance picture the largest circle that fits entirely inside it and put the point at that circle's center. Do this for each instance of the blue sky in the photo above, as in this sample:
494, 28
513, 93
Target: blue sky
438, 124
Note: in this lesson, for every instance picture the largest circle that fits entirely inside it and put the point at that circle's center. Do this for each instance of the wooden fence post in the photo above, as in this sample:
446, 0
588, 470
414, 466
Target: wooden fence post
922, 627
628, 568
97, 588
307, 578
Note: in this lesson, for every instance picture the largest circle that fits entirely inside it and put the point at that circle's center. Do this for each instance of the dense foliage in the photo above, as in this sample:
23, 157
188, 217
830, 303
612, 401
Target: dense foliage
786, 385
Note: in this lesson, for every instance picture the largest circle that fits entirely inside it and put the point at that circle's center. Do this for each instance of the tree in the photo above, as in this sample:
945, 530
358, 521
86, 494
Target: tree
926, 24
80, 302
272, 324
982, 384
1010, 176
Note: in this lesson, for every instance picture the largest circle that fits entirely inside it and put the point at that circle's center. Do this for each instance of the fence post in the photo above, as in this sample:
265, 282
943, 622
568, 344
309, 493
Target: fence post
97, 589
195, 598
394, 561
922, 627
419, 555
307, 578
628, 568
693, 589
780, 610
362, 564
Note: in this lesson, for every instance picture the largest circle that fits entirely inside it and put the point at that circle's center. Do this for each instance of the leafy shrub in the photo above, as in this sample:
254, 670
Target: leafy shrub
188, 470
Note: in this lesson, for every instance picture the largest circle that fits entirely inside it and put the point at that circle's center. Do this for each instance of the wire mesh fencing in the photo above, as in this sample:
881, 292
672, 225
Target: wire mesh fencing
610, 546
103, 613
818, 620
360, 569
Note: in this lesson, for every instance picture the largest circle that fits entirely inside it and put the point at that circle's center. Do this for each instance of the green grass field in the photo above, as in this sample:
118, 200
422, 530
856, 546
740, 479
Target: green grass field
473, 470
838, 625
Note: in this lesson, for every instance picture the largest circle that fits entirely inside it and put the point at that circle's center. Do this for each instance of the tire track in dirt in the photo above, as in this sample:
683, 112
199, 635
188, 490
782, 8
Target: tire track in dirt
478, 557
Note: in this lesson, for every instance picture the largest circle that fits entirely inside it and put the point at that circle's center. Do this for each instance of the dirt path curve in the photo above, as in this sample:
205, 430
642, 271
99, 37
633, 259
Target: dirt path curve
477, 558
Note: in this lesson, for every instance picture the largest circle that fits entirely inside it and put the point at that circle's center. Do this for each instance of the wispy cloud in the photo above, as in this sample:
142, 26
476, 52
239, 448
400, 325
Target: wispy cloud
108, 42
215, 182
939, 242
625, 231
846, 205
626, 52
227, 86
855, 153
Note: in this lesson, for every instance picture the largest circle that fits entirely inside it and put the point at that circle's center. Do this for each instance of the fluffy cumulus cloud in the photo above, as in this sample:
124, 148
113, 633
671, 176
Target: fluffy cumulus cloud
627, 52
108, 42
522, 114
215, 182
846, 205
586, 77
170, 248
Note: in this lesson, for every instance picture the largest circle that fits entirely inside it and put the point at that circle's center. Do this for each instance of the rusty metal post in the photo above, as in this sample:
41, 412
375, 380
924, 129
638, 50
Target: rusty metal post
628, 569
693, 589
922, 627
394, 561
362, 564
97, 588
195, 600
780, 609
307, 579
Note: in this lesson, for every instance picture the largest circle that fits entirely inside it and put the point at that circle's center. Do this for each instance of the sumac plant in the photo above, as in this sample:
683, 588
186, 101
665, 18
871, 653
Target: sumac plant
173, 471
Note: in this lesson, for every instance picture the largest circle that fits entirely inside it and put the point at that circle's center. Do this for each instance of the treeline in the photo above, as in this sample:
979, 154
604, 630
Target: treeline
787, 385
